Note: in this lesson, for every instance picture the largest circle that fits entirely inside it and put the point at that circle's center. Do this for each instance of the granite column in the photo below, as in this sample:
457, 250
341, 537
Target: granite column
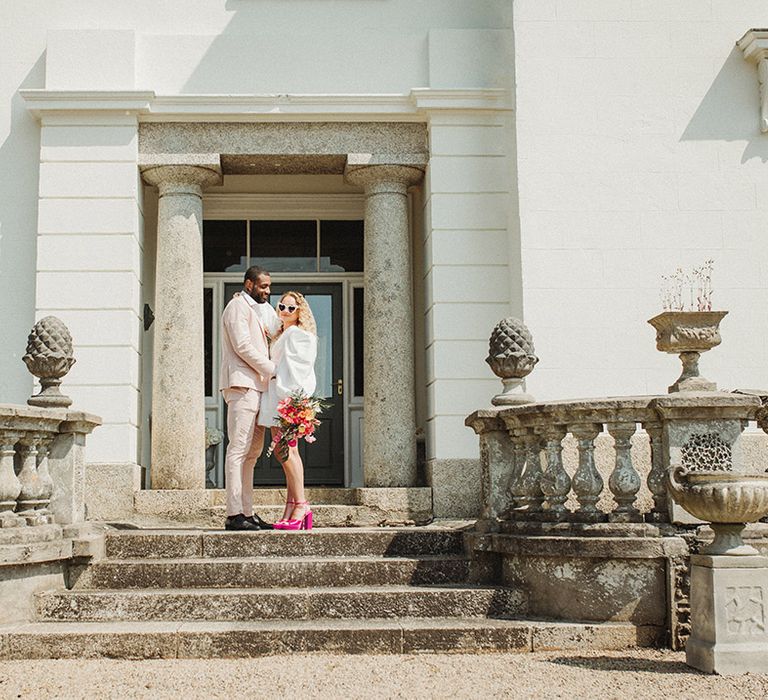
389, 442
178, 394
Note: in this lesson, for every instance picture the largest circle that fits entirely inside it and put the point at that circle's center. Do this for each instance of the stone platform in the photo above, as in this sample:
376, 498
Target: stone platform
332, 507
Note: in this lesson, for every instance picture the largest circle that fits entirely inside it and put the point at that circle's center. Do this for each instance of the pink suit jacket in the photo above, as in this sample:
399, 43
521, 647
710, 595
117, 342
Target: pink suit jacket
244, 351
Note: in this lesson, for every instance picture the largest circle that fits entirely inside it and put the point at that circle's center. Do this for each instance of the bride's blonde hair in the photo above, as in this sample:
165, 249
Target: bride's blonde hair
306, 318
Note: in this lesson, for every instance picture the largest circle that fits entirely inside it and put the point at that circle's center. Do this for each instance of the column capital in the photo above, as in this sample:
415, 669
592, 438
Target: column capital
181, 174
363, 170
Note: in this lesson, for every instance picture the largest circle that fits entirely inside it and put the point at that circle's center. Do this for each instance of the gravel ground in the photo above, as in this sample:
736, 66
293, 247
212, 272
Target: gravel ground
638, 673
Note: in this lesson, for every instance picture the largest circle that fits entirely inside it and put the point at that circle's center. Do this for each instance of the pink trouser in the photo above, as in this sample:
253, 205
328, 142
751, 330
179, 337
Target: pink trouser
246, 440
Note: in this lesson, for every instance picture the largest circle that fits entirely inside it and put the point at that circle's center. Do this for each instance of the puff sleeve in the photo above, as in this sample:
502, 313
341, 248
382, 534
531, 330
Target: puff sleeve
296, 369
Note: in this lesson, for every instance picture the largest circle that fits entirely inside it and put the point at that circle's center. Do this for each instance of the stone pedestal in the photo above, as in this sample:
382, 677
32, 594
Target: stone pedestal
497, 467
178, 394
729, 614
67, 466
389, 442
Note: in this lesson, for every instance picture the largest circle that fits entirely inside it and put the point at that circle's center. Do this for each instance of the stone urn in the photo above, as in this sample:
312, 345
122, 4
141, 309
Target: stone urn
49, 357
511, 357
213, 436
725, 499
688, 334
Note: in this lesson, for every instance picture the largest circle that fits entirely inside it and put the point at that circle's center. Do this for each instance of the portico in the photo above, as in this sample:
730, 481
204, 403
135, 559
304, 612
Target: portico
384, 161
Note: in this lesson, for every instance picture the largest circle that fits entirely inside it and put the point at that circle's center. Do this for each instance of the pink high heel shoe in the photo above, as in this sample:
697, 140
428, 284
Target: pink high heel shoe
285, 520
303, 523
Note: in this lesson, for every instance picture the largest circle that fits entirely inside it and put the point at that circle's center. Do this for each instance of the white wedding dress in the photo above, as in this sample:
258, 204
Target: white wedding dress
294, 354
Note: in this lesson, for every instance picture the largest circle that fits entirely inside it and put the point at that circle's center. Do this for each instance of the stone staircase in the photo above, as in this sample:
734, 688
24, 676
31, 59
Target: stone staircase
199, 594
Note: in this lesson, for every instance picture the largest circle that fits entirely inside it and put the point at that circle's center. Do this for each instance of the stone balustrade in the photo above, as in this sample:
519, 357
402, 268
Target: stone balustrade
42, 464
525, 476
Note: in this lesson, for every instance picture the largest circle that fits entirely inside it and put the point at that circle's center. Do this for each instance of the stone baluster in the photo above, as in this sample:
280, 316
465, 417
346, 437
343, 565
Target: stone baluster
587, 482
555, 482
10, 486
32, 487
43, 510
624, 481
531, 495
519, 451
657, 478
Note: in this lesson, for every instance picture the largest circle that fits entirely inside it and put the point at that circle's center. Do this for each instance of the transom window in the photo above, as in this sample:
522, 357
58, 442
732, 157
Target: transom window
306, 245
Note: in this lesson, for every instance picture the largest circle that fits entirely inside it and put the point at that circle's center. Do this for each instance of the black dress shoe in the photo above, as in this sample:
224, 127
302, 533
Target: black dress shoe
240, 522
262, 524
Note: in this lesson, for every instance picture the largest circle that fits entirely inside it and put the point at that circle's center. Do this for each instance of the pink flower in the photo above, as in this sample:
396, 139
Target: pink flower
292, 443
310, 438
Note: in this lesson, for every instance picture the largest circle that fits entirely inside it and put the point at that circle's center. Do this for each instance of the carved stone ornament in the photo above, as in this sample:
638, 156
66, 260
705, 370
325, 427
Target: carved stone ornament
511, 357
688, 333
49, 357
725, 499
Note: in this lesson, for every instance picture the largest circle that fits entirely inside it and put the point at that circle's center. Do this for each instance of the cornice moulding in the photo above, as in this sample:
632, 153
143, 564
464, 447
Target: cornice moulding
754, 45
42, 102
147, 106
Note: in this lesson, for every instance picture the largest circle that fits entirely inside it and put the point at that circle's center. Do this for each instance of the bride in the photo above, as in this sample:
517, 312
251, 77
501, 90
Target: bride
293, 350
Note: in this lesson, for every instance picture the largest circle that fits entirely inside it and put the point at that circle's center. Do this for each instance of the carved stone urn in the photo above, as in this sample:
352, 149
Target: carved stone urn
49, 357
511, 357
688, 334
725, 499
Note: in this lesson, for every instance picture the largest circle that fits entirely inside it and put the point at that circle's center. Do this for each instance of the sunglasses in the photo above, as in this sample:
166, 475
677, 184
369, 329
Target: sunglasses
283, 307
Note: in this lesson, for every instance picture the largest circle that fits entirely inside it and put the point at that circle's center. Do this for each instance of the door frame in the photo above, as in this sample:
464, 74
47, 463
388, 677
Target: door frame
251, 206
352, 406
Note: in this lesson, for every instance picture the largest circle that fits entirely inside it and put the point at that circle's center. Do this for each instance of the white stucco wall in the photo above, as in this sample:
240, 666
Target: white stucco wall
90, 267
634, 148
640, 151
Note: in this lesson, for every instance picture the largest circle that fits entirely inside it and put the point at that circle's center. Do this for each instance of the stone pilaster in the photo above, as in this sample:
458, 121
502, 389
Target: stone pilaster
178, 402
389, 443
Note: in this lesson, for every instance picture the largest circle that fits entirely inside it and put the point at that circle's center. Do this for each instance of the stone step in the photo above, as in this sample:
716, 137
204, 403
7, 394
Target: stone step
358, 507
281, 604
148, 640
269, 572
143, 544
325, 516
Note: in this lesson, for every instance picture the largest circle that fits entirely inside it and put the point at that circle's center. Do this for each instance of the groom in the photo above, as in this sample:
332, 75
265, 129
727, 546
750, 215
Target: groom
245, 372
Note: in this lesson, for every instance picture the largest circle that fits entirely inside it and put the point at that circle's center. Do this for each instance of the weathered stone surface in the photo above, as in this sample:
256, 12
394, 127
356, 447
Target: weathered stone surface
139, 543
271, 572
729, 595
467, 636
456, 487
607, 635
294, 604
19, 584
238, 640
565, 583
242, 639
389, 440
288, 138
144, 640
178, 410
362, 507
35, 552
110, 490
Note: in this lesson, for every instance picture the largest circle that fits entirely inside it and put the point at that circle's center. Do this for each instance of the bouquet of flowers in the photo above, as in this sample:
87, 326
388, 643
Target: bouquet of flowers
297, 418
